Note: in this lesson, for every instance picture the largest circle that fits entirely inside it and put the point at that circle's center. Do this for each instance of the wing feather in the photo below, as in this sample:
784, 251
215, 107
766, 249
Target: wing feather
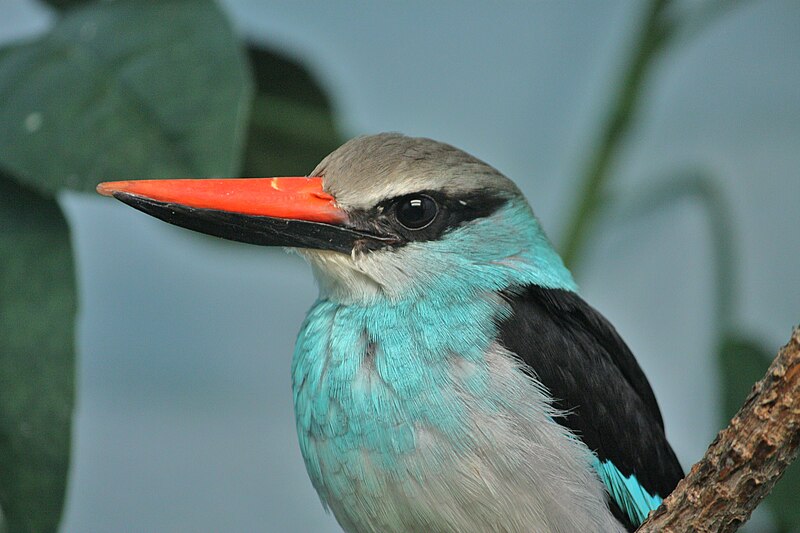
596, 382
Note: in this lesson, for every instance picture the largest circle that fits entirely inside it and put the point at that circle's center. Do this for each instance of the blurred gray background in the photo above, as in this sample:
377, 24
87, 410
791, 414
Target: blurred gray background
184, 418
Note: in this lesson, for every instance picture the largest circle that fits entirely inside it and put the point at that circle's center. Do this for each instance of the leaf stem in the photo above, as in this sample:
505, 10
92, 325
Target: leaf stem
649, 42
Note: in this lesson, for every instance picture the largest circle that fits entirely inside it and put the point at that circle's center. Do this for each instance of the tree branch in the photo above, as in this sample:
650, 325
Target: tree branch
745, 460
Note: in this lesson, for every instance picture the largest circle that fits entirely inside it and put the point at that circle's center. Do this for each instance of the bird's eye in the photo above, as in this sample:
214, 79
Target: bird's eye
416, 212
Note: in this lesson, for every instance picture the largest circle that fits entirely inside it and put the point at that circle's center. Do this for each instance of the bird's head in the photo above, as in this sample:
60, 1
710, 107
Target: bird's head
383, 216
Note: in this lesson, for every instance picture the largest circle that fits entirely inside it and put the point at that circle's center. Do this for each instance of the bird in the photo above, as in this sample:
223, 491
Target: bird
449, 377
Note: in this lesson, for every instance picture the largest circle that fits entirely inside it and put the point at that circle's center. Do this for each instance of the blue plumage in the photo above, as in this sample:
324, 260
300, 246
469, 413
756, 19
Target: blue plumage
634, 500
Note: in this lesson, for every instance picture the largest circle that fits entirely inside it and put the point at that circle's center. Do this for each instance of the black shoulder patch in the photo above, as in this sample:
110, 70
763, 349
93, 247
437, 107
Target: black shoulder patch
595, 380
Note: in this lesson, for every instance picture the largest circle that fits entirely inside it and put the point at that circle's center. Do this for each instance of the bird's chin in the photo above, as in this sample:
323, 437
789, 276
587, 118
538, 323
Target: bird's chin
340, 276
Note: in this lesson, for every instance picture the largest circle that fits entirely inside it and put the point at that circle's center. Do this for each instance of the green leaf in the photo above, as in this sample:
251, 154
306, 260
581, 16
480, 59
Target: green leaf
125, 90
743, 362
292, 125
37, 358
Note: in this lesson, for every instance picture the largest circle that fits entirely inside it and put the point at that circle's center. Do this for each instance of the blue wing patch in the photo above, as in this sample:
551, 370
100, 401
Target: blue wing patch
631, 497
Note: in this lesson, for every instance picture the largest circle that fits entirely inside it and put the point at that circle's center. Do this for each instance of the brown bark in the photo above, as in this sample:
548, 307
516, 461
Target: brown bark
745, 460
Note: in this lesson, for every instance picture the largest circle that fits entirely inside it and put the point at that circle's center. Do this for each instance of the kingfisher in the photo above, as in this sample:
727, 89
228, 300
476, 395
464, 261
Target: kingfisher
449, 377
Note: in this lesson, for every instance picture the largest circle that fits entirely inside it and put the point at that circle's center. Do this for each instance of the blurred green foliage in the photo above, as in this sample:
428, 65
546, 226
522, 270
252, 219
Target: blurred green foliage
122, 90
104, 95
37, 311
159, 89
291, 124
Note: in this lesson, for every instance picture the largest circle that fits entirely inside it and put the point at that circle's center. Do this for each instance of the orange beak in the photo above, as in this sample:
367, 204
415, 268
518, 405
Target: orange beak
295, 198
294, 212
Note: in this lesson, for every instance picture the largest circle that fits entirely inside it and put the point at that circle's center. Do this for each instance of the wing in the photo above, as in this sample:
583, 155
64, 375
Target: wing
604, 395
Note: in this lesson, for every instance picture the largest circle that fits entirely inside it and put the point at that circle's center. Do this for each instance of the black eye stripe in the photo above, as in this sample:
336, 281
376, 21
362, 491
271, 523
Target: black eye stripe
452, 211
